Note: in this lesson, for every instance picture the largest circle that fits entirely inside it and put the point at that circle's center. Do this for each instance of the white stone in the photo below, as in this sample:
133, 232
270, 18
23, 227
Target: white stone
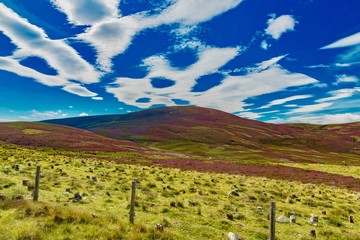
282, 219
233, 236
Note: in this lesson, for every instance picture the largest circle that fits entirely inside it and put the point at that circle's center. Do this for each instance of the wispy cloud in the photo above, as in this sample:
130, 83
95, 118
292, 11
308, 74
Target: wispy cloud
37, 115
189, 12
343, 78
32, 41
285, 100
339, 94
345, 42
311, 108
83, 114
228, 96
321, 118
88, 12
280, 25
123, 30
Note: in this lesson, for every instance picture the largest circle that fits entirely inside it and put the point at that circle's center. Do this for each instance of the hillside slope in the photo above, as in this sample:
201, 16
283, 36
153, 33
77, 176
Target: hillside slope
61, 137
205, 131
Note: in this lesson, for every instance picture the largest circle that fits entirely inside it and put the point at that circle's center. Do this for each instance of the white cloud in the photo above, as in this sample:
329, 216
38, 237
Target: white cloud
97, 98
79, 90
280, 25
190, 12
32, 41
88, 12
322, 118
129, 90
249, 115
266, 77
268, 63
113, 37
83, 114
340, 94
311, 108
343, 78
318, 66
12, 65
47, 114
264, 45
345, 42
102, 35
285, 100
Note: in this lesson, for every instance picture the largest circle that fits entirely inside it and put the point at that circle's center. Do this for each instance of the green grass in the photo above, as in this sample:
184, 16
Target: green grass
192, 216
353, 171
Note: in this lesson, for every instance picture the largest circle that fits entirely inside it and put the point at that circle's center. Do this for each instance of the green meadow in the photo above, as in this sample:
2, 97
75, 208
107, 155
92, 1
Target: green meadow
187, 204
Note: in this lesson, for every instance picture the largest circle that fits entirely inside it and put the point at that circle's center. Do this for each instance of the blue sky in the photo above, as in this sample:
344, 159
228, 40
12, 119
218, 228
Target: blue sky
275, 61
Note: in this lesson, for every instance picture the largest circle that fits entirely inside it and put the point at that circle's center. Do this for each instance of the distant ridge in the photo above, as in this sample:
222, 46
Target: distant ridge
35, 134
201, 131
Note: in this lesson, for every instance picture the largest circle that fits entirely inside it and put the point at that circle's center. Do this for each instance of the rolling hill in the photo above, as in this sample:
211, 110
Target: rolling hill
61, 137
209, 132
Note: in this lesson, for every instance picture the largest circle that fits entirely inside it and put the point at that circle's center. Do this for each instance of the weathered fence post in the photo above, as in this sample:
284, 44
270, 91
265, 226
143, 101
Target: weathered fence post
272, 220
37, 182
132, 203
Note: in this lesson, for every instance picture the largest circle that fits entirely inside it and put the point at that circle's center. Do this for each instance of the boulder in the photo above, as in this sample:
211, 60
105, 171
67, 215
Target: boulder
314, 218
233, 236
282, 219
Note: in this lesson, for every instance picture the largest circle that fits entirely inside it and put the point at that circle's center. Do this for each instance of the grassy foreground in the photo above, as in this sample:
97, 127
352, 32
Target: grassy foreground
189, 204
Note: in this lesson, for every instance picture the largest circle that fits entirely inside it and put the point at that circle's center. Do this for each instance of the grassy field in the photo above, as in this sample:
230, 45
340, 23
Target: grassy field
189, 204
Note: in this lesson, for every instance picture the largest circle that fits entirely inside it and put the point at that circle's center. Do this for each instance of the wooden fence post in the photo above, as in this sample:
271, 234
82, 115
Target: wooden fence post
132, 203
37, 182
272, 220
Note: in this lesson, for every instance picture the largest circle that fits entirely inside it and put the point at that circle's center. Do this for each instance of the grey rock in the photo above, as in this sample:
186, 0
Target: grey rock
292, 219
314, 218
282, 219
233, 236
260, 209
234, 193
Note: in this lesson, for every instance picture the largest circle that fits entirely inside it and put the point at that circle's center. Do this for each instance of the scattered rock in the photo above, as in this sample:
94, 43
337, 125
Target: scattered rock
94, 215
192, 203
2, 197
25, 182
230, 216
235, 209
213, 180
159, 227
313, 233
234, 193
6, 172
358, 198
314, 218
200, 192
108, 193
282, 219
292, 219
260, 209
323, 212
172, 204
351, 219
233, 236
67, 190
77, 197
94, 178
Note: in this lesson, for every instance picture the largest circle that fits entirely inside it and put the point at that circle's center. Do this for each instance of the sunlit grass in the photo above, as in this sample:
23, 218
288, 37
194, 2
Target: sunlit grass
189, 204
